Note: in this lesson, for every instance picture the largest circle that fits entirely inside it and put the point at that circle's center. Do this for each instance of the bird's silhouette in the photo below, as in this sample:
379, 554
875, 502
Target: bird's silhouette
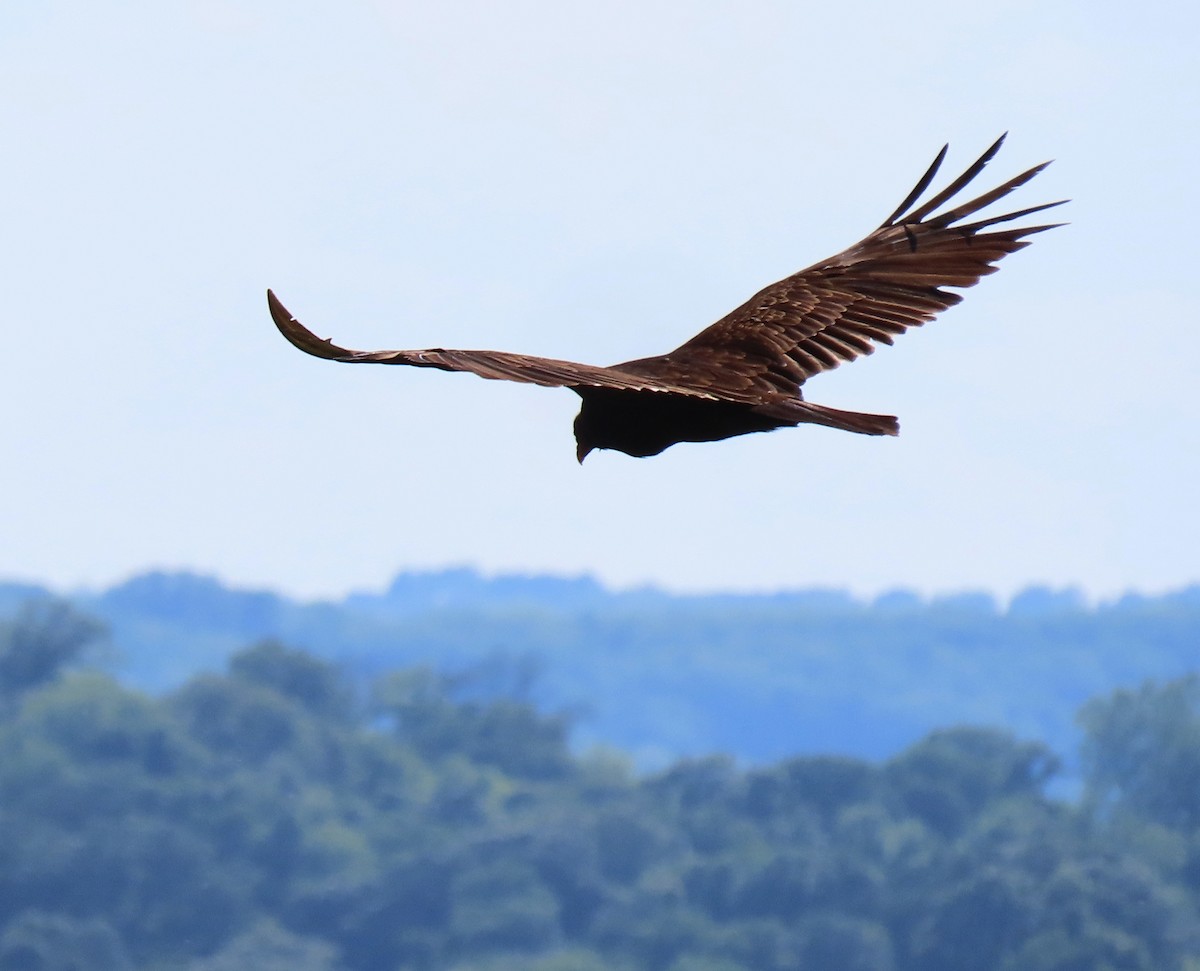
743, 374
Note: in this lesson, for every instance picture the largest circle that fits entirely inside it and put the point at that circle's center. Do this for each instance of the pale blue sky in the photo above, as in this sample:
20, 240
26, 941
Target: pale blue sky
596, 182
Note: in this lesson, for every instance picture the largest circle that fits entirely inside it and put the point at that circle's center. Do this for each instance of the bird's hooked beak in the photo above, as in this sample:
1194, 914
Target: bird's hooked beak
581, 451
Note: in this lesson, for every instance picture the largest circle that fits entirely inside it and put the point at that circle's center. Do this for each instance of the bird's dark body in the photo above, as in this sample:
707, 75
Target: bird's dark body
744, 373
644, 423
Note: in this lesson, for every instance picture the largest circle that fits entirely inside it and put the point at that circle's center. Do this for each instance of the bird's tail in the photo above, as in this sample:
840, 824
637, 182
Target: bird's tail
802, 412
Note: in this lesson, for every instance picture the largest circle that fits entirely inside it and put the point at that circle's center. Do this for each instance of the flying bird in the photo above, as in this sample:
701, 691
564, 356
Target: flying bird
743, 374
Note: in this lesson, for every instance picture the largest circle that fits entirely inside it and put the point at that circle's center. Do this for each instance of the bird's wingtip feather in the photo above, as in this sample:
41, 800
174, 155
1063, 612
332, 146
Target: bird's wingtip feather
300, 336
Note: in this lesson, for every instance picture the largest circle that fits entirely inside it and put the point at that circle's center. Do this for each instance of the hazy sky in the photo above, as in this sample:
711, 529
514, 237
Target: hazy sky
596, 182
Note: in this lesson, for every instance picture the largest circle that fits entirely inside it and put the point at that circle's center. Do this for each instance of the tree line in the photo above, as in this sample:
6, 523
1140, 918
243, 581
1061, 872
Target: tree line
279, 815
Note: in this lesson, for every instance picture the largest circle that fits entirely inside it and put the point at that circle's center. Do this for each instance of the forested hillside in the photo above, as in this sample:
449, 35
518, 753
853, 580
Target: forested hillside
273, 816
661, 676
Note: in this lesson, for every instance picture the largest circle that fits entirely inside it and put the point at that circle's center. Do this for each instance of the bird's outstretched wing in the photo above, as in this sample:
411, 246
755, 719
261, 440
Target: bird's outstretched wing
495, 365
840, 308
812, 321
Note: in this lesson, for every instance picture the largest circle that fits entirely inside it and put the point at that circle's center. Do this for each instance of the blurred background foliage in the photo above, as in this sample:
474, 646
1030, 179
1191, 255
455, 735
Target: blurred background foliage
284, 815
663, 676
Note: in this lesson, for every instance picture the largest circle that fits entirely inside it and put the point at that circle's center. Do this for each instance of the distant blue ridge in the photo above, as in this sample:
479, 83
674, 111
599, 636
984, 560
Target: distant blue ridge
660, 675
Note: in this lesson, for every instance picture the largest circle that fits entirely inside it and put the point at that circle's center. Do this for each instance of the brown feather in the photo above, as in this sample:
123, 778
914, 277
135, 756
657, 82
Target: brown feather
743, 374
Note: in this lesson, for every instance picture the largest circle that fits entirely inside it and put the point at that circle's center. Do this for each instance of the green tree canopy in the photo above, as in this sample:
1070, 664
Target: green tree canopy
1141, 752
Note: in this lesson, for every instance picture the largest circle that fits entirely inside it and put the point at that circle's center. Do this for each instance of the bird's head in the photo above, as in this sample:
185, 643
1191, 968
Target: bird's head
584, 440
622, 421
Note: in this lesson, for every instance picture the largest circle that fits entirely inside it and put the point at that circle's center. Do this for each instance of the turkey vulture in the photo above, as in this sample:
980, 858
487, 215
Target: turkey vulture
743, 374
